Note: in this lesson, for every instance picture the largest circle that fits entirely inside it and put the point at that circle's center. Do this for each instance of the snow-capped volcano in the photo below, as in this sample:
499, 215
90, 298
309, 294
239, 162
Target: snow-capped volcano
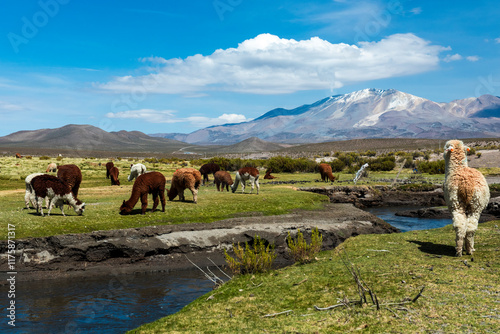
368, 113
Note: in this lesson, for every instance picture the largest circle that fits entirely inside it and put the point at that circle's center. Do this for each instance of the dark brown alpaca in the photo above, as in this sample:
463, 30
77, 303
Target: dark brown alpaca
325, 170
268, 175
58, 193
210, 168
72, 176
109, 165
149, 183
18, 156
113, 174
222, 179
185, 178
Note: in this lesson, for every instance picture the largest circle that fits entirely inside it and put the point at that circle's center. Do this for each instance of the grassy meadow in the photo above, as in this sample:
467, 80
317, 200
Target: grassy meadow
461, 295
103, 200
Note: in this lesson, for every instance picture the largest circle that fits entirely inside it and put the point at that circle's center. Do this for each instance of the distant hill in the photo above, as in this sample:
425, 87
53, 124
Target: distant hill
89, 138
251, 145
368, 113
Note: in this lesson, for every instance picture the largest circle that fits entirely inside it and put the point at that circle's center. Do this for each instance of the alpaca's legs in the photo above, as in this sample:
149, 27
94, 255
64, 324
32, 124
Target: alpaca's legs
162, 199
156, 200
27, 197
39, 206
460, 226
195, 195
242, 186
144, 203
181, 195
257, 185
472, 222
469, 242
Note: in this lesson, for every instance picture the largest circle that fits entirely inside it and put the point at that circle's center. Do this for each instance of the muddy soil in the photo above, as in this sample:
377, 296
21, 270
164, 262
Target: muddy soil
163, 248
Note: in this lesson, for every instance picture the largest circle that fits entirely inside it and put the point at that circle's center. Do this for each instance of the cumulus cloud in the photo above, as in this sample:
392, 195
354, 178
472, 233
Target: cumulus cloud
268, 64
497, 40
472, 58
169, 116
450, 58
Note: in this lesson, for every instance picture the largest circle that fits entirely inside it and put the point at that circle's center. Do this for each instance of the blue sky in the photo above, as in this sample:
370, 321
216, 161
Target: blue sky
178, 66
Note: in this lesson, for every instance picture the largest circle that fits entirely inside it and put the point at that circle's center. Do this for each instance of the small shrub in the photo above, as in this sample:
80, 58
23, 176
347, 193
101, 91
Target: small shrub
250, 260
303, 252
478, 155
59, 158
44, 157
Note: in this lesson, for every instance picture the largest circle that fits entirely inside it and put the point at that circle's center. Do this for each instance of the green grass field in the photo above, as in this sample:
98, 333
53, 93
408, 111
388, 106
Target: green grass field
103, 200
459, 297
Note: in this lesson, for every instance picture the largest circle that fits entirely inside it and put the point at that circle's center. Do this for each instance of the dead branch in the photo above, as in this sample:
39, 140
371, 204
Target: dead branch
419, 295
328, 307
219, 268
303, 281
216, 280
275, 314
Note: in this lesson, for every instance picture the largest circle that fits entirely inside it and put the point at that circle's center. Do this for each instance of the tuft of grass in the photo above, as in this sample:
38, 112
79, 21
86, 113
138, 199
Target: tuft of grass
303, 252
257, 258
459, 296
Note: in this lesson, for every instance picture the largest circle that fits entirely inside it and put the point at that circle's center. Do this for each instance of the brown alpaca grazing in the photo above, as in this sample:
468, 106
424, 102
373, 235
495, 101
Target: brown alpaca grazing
222, 179
109, 165
185, 178
113, 174
18, 156
57, 192
268, 175
210, 168
51, 168
72, 176
325, 170
149, 183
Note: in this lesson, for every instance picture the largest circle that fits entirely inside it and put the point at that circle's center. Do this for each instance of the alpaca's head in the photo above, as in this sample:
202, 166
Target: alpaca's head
125, 209
79, 207
455, 152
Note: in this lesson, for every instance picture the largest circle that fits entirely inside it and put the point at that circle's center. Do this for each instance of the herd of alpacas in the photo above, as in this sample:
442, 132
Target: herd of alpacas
63, 188
466, 191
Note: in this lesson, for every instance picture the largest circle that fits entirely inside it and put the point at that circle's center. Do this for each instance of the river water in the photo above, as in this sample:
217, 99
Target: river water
123, 302
405, 224
101, 304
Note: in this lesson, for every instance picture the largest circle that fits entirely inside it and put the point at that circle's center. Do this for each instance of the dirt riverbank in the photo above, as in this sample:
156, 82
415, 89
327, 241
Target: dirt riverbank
167, 247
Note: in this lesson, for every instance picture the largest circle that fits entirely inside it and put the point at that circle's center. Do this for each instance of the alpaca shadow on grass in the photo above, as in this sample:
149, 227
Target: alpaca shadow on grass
138, 211
434, 249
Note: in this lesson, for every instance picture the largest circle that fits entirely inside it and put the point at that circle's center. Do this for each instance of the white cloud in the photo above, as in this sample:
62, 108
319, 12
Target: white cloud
416, 10
497, 40
9, 107
450, 58
472, 58
268, 64
169, 116
148, 115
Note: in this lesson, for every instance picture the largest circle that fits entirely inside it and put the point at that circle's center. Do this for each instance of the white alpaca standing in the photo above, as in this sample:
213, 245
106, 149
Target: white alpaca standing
136, 170
246, 174
466, 193
29, 196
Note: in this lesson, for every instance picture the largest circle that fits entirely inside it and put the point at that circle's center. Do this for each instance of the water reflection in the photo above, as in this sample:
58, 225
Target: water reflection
103, 304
